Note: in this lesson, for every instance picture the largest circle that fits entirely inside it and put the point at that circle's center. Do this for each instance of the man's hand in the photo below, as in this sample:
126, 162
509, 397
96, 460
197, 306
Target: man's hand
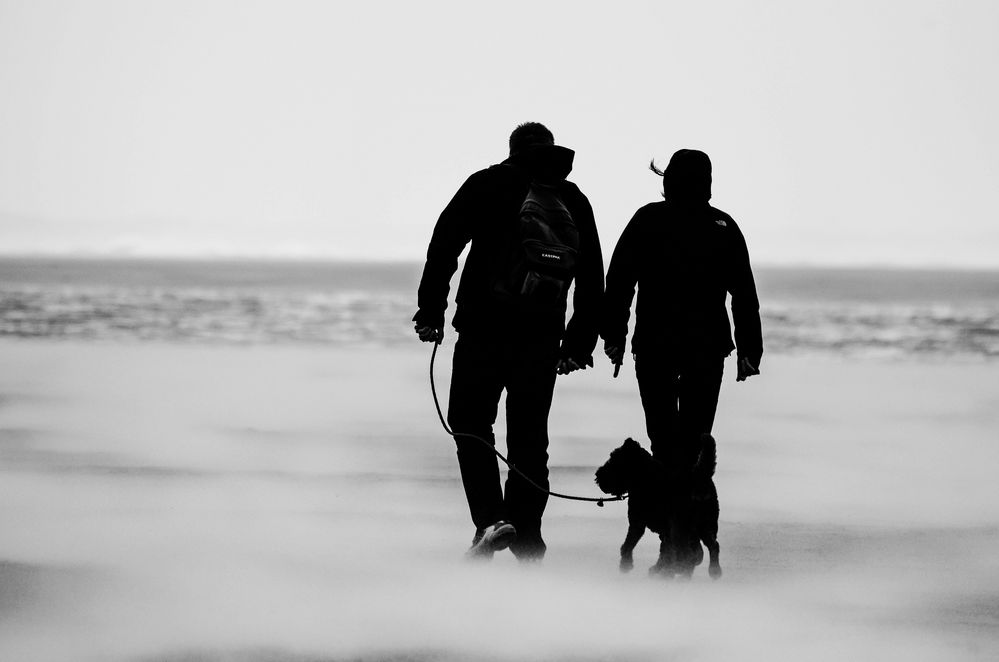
429, 334
745, 370
565, 366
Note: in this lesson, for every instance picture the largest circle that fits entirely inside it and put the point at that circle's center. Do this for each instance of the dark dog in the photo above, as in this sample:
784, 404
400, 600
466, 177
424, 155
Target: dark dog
679, 503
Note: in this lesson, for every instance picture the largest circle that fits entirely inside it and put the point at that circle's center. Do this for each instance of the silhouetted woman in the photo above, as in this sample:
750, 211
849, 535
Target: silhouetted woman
684, 256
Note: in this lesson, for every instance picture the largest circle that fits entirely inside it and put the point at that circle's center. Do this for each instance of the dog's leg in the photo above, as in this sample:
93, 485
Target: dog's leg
635, 532
714, 567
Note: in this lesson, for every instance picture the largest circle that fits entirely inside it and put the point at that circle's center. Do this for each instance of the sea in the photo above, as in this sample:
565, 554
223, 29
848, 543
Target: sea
887, 313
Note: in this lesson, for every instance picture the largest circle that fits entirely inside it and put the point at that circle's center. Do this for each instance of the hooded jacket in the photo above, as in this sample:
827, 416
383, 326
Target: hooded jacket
485, 211
685, 257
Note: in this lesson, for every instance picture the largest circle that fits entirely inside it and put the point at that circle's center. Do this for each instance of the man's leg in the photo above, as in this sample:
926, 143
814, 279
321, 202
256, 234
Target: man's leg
476, 386
658, 385
530, 386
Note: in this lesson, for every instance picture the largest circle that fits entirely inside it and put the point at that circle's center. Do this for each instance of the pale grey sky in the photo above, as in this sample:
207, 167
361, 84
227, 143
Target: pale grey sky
841, 132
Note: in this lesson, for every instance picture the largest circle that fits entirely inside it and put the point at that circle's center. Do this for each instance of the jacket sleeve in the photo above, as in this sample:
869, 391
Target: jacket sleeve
745, 302
581, 331
451, 234
622, 277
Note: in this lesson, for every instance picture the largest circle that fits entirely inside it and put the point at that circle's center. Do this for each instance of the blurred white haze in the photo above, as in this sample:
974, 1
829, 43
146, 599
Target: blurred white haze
207, 459
171, 502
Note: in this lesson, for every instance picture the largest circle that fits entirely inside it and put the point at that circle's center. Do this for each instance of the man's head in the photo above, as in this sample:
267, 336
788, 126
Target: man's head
528, 135
687, 178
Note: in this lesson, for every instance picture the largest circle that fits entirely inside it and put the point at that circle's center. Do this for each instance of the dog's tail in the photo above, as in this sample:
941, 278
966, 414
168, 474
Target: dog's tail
707, 459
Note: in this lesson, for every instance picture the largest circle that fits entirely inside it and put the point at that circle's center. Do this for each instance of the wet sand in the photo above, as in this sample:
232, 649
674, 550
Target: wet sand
165, 502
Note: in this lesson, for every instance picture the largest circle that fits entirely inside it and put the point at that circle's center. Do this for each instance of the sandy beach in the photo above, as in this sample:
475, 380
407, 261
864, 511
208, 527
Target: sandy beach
169, 502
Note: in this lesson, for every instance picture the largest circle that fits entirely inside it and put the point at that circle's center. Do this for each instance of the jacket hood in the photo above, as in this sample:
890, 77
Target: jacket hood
547, 163
687, 178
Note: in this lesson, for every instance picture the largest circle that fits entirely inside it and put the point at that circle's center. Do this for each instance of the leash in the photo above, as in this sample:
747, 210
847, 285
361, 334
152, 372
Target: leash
492, 447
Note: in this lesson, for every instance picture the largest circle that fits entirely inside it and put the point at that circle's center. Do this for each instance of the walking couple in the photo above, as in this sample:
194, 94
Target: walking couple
532, 234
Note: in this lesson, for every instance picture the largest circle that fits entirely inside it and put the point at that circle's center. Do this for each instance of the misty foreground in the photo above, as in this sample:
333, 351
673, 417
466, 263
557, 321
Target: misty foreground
174, 503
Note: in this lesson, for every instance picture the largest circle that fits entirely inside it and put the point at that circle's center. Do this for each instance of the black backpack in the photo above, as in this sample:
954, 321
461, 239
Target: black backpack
542, 260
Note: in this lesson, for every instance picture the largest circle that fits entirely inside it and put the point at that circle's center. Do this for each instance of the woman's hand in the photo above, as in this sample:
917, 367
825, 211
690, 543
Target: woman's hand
745, 370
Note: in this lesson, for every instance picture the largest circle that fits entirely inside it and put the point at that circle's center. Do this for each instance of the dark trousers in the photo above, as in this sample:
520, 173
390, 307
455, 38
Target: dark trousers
483, 368
680, 397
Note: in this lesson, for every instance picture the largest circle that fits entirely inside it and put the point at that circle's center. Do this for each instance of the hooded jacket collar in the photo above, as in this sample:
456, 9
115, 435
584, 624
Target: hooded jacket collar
547, 163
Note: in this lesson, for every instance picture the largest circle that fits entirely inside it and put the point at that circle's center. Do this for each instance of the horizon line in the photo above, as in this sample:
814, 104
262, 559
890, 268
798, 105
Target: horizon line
96, 256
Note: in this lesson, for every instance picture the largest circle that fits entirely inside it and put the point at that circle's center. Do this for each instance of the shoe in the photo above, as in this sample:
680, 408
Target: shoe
529, 548
491, 539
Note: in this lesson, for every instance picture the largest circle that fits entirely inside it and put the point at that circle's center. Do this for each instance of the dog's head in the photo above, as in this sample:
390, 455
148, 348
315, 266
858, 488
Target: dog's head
621, 469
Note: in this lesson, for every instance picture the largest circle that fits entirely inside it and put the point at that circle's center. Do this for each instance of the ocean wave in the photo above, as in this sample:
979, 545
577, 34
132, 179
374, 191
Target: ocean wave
249, 316
203, 315
888, 329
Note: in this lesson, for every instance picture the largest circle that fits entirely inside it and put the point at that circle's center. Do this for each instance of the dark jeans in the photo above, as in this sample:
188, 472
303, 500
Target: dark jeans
680, 396
483, 368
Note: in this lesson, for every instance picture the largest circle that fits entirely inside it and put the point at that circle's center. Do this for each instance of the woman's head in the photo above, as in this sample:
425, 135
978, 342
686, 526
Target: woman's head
687, 177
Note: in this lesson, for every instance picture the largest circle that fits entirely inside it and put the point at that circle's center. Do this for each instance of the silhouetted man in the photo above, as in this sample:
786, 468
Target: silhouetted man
531, 233
685, 256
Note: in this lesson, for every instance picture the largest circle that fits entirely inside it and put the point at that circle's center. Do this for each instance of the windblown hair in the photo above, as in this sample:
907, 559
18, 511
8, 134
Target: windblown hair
653, 168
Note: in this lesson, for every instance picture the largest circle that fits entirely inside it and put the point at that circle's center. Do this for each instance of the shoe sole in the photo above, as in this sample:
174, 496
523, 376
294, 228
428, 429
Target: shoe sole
503, 538
497, 542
